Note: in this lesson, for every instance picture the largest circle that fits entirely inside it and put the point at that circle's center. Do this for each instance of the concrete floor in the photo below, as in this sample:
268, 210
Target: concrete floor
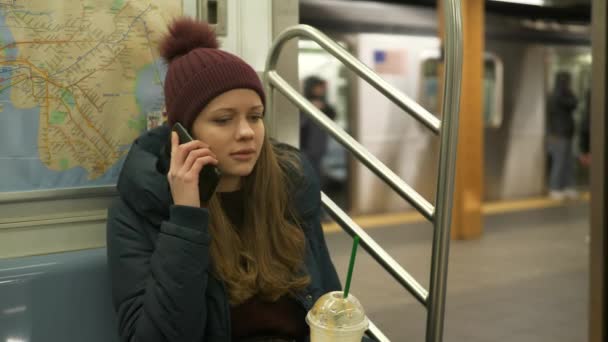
526, 280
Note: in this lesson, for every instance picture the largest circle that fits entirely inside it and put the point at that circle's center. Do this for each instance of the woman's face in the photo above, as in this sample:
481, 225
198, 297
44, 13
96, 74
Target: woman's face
233, 127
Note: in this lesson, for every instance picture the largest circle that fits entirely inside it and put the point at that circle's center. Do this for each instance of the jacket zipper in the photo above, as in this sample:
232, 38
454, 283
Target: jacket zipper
227, 313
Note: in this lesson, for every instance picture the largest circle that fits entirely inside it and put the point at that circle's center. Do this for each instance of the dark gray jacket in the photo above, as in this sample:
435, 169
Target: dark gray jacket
158, 255
562, 104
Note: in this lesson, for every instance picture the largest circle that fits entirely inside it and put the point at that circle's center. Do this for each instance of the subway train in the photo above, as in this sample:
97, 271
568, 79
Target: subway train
401, 43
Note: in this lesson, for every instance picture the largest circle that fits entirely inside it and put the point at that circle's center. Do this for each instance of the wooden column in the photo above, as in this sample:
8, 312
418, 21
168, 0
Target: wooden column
468, 192
599, 186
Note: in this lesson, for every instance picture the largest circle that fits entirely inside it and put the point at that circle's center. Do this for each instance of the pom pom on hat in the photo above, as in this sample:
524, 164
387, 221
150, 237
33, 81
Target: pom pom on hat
184, 35
197, 71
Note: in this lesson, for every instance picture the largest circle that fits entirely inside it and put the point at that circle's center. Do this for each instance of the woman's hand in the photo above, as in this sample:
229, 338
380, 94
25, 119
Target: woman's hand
187, 161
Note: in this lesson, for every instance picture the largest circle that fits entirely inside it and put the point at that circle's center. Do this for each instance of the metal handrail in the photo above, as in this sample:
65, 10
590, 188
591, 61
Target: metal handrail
392, 93
447, 169
387, 175
377, 252
58, 194
448, 130
374, 332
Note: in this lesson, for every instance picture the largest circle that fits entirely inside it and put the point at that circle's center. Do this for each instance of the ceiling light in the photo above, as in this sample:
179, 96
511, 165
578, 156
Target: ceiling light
525, 2
15, 339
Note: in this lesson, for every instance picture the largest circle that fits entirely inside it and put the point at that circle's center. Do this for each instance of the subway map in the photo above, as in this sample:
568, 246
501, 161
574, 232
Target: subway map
79, 80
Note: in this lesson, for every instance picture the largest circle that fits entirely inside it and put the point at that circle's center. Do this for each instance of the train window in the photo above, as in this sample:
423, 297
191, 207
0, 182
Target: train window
492, 87
493, 91
429, 87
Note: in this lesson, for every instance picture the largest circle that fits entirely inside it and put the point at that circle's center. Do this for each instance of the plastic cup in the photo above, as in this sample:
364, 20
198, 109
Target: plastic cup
336, 319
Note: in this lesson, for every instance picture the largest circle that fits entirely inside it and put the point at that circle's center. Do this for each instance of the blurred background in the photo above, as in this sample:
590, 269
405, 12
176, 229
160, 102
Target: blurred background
519, 270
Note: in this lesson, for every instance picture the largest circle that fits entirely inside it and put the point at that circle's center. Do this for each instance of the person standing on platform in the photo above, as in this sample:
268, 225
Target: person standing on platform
561, 106
313, 139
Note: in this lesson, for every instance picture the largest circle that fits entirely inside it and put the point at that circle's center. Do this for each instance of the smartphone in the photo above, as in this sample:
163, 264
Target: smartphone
209, 177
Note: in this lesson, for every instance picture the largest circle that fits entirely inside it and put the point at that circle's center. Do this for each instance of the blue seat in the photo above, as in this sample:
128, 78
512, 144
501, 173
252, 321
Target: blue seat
60, 297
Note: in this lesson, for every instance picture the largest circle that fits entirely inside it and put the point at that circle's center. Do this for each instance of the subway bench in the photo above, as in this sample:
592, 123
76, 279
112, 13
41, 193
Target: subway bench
60, 297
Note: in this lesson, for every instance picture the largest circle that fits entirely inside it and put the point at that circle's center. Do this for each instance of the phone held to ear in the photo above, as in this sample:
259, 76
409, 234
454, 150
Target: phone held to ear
209, 177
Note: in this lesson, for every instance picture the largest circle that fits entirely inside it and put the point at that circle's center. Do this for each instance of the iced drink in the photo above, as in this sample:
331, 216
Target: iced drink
336, 319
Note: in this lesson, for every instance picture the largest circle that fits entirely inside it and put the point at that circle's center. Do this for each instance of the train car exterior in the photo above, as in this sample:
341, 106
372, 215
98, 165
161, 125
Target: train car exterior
401, 43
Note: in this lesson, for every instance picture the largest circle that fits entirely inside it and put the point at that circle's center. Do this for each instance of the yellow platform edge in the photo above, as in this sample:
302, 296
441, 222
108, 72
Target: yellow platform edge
490, 208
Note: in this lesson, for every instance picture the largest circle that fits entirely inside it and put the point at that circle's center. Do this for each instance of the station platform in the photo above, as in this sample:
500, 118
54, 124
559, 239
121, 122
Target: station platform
525, 280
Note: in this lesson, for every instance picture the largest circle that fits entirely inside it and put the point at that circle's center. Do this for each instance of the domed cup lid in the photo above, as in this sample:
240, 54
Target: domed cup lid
334, 312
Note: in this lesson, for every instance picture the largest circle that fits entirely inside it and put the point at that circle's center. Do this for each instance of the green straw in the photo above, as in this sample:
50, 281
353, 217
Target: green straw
351, 266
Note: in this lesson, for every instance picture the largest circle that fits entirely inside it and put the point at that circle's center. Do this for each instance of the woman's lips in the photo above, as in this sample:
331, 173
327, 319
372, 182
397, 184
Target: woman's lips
243, 155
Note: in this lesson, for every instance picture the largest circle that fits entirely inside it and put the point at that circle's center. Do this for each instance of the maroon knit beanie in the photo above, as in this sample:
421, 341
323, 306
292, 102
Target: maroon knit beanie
198, 71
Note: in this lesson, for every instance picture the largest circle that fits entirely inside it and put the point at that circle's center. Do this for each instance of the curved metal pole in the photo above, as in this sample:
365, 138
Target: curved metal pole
449, 137
396, 96
447, 170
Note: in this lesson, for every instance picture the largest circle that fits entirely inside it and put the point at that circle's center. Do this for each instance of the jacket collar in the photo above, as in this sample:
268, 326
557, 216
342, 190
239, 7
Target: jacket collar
143, 180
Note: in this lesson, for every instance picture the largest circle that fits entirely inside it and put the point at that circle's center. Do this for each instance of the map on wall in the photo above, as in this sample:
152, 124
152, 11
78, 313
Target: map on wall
79, 81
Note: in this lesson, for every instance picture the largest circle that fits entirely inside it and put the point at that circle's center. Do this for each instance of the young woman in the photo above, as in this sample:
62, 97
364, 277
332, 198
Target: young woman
250, 263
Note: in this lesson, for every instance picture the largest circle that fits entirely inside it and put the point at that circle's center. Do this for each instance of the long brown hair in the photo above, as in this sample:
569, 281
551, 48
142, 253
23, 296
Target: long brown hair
265, 257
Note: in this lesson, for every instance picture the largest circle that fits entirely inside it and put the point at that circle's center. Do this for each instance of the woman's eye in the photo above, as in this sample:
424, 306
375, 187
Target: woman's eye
256, 117
221, 121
